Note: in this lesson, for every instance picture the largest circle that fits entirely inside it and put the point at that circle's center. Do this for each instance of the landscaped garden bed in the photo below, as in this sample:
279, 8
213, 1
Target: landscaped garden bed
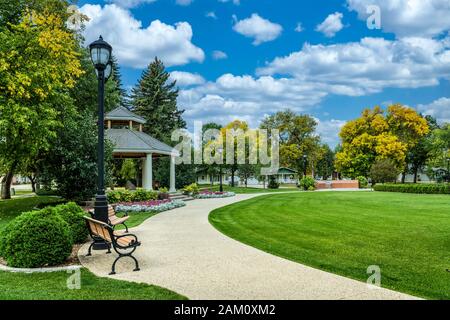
214, 195
149, 206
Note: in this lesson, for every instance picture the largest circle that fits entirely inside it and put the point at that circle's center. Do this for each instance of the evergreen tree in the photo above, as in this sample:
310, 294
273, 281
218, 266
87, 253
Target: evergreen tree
155, 99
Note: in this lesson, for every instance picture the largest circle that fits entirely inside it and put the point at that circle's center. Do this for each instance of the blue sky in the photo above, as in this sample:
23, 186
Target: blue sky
249, 58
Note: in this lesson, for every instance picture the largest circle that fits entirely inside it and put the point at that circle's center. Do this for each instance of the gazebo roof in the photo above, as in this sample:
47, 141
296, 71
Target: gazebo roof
122, 113
131, 141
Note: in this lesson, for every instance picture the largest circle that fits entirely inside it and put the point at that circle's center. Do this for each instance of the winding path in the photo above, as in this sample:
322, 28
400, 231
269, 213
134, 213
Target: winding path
182, 252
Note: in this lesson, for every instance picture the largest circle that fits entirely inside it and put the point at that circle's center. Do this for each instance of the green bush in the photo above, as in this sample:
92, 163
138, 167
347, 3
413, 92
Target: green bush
363, 183
273, 184
117, 196
73, 215
414, 188
191, 189
43, 205
307, 183
36, 239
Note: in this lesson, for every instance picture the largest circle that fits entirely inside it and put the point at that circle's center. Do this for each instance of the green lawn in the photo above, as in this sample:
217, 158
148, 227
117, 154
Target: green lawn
136, 218
243, 190
53, 286
407, 235
9, 209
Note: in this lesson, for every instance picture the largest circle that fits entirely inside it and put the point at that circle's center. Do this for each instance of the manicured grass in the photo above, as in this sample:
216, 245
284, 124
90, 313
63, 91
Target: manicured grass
243, 190
136, 218
9, 209
407, 235
53, 286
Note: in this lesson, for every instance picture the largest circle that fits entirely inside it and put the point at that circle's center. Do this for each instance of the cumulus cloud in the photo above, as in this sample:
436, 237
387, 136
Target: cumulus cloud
186, 78
408, 17
368, 66
219, 55
130, 3
184, 2
258, 28
235, 2
299, 27
211, 14
439, 109
331, 25
135, 45
329, 130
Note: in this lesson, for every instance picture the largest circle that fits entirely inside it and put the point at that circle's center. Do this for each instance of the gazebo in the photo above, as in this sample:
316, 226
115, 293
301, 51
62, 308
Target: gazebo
124, 130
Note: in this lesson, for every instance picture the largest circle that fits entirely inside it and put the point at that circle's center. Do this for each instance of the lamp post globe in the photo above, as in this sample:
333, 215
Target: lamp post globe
305, 159
101, 53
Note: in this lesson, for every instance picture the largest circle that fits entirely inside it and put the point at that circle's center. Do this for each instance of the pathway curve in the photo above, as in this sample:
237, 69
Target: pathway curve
183, 252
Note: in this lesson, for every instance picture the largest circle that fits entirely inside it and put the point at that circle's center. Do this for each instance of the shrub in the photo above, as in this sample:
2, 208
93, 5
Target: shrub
43, 205
36, 239
363, 183
73, 215
163, 194
414, 188
307, 183
117, 196
384, 171
191, 189
273, 184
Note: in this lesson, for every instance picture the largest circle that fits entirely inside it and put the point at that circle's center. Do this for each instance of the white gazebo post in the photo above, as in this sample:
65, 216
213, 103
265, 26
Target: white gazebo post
147, 181
172, 175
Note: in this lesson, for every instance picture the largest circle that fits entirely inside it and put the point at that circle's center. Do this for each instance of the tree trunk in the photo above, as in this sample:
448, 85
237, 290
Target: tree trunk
415, 175
232, 177
6, 185
403, 177
33, 183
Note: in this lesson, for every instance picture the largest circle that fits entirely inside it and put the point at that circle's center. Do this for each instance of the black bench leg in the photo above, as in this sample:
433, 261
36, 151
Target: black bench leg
90, 248
113, 269
126, 227
136, 262
109, 249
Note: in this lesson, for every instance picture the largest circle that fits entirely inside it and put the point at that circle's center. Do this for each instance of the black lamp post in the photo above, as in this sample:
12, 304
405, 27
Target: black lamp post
101, 58
220, 170
305, 159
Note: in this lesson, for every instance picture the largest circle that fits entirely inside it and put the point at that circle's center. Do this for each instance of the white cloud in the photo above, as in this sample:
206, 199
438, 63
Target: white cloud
186, 78
135, 45
219, 55
235, 2
408, 17
440, 109
260, 29
368, 66
130, 3
211, 14
299, 27
329, 130
331, 25
184, 2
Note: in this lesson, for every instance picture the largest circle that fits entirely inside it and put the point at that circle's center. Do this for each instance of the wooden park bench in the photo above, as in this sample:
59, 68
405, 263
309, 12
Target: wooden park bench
113, 219
123, 244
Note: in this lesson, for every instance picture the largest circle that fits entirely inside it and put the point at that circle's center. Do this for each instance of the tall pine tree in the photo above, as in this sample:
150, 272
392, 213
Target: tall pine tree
155, 99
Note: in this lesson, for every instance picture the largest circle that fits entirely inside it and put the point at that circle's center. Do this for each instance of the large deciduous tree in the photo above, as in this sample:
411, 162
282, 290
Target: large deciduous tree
39, 61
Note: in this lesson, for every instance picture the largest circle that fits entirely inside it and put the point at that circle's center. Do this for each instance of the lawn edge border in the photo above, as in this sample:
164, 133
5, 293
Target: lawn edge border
40, 270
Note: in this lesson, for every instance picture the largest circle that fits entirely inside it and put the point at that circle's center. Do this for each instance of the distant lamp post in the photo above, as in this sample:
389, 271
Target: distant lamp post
101, 58
305, 159
220, 151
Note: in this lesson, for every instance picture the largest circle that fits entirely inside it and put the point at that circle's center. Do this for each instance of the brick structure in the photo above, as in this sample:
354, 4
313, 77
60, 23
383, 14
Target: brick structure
337, 184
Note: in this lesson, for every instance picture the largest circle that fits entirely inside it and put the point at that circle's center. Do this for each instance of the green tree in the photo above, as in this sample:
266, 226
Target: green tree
384, 170
39, 62
128, 170
155, 99
325, 165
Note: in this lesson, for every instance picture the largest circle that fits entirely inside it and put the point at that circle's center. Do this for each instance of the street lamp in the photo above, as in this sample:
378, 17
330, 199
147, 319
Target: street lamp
100, 52
220, 151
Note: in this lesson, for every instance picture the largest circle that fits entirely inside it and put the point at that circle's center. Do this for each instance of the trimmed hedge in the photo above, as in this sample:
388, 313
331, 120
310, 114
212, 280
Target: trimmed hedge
307, 184
414, 188
131, 196
73, 215
36, 239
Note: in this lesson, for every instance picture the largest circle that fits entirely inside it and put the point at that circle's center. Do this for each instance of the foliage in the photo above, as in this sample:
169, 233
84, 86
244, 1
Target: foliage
273, 184
36, 239
128, 170
363, 183
246, 171
150, 206
184, 173
378, 135
307, 183
155, 99
214, 195
73, 215
443, 188
325, 164
117, 196
39, 61
384, 171
191, 189
440, 148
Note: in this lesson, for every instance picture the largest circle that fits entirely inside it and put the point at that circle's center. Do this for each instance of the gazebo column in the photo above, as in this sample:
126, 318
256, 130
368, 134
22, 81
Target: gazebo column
172, 175
147, 174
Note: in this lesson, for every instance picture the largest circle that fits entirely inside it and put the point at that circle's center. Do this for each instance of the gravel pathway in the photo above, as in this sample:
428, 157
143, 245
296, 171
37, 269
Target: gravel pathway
182, 252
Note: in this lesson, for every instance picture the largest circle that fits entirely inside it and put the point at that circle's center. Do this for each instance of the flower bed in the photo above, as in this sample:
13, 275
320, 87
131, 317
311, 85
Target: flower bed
214, 195
149, 206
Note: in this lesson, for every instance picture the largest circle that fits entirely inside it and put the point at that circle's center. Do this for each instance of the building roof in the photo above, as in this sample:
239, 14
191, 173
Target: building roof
130, 141
122, 113
284, 170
